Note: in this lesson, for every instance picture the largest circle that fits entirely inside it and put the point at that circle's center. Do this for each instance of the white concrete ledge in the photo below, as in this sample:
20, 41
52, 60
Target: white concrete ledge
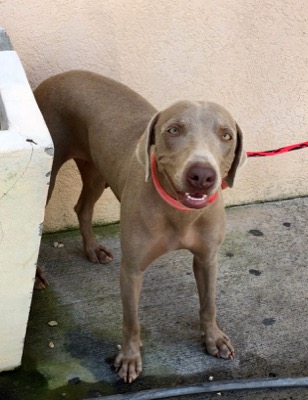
25, 161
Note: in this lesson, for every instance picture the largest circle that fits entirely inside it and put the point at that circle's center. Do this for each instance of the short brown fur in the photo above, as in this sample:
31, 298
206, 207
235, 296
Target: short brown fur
110, 131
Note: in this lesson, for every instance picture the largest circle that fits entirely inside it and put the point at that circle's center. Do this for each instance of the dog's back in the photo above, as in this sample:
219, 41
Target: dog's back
90, 116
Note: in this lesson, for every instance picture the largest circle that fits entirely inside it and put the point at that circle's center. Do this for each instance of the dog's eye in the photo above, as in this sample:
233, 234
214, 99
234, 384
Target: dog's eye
226, 136
174, 130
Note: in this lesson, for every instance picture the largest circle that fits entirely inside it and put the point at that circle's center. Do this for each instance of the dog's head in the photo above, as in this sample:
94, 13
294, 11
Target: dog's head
197, 145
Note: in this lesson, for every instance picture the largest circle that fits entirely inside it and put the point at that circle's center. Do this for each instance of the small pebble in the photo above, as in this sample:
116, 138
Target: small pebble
56, 244
211, 378
218, 394
60, 245
51, 344
53, 323
119, 347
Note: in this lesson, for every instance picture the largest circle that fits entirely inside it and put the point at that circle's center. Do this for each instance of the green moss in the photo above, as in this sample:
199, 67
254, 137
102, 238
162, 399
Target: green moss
107, 230
101, 230
58, 373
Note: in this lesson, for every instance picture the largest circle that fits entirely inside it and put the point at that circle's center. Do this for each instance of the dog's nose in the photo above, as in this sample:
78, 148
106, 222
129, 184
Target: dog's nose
201, 177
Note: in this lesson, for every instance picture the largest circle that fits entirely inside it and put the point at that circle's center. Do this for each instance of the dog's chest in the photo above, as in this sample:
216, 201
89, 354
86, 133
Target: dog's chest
203, 232
181, 236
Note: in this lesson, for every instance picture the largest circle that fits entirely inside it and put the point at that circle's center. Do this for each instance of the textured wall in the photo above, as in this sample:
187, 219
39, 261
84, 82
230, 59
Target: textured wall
249, 55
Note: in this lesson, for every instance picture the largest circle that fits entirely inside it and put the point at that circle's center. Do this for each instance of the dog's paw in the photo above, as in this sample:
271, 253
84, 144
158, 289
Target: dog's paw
129, 367
218, 344
99, 254
40, 280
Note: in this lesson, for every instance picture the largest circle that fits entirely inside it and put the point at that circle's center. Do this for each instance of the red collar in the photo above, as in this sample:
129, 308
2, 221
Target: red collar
166, 197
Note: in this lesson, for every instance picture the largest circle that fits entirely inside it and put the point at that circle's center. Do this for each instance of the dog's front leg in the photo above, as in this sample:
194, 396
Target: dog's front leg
128, 362
217, 343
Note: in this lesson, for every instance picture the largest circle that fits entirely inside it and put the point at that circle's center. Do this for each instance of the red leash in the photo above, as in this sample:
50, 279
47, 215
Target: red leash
275, 152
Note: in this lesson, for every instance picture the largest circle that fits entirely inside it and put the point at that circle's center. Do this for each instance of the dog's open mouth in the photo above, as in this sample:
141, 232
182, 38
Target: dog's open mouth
193, 200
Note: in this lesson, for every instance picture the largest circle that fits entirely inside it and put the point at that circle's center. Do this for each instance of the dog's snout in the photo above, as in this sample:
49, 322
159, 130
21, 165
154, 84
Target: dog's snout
200, 176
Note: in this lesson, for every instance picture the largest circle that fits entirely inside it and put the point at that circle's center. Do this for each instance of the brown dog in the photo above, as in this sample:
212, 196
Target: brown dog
166, 168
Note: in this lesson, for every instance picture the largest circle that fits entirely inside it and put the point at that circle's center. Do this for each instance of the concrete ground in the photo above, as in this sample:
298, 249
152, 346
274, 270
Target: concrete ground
262, 303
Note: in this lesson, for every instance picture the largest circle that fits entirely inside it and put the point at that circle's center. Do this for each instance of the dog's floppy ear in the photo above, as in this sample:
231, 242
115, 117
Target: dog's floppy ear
239, 157
143, 149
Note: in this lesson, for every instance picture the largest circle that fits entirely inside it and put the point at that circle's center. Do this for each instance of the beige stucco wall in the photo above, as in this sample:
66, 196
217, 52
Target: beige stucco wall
250, 56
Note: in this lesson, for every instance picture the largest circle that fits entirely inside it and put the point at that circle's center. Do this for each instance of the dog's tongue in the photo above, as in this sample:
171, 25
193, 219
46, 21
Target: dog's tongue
194, 200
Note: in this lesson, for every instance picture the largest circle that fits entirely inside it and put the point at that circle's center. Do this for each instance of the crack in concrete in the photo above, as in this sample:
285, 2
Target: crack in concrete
20, 177
1, 233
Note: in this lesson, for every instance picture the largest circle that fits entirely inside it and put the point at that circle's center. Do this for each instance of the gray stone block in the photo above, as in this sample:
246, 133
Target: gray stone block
5, 42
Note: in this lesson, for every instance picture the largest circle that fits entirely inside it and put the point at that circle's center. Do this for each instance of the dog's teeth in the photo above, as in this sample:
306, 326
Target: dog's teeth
195, 198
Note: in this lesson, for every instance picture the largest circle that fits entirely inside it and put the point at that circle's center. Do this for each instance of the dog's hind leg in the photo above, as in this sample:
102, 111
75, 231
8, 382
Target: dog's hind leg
93, 186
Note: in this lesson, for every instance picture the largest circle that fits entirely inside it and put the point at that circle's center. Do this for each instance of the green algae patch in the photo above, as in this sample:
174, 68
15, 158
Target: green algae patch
61, 372
25, 383
103, 231
107, 230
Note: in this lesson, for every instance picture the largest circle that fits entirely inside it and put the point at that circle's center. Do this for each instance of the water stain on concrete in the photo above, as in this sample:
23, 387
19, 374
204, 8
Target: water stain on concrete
255, 272
256, 232
268, 321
